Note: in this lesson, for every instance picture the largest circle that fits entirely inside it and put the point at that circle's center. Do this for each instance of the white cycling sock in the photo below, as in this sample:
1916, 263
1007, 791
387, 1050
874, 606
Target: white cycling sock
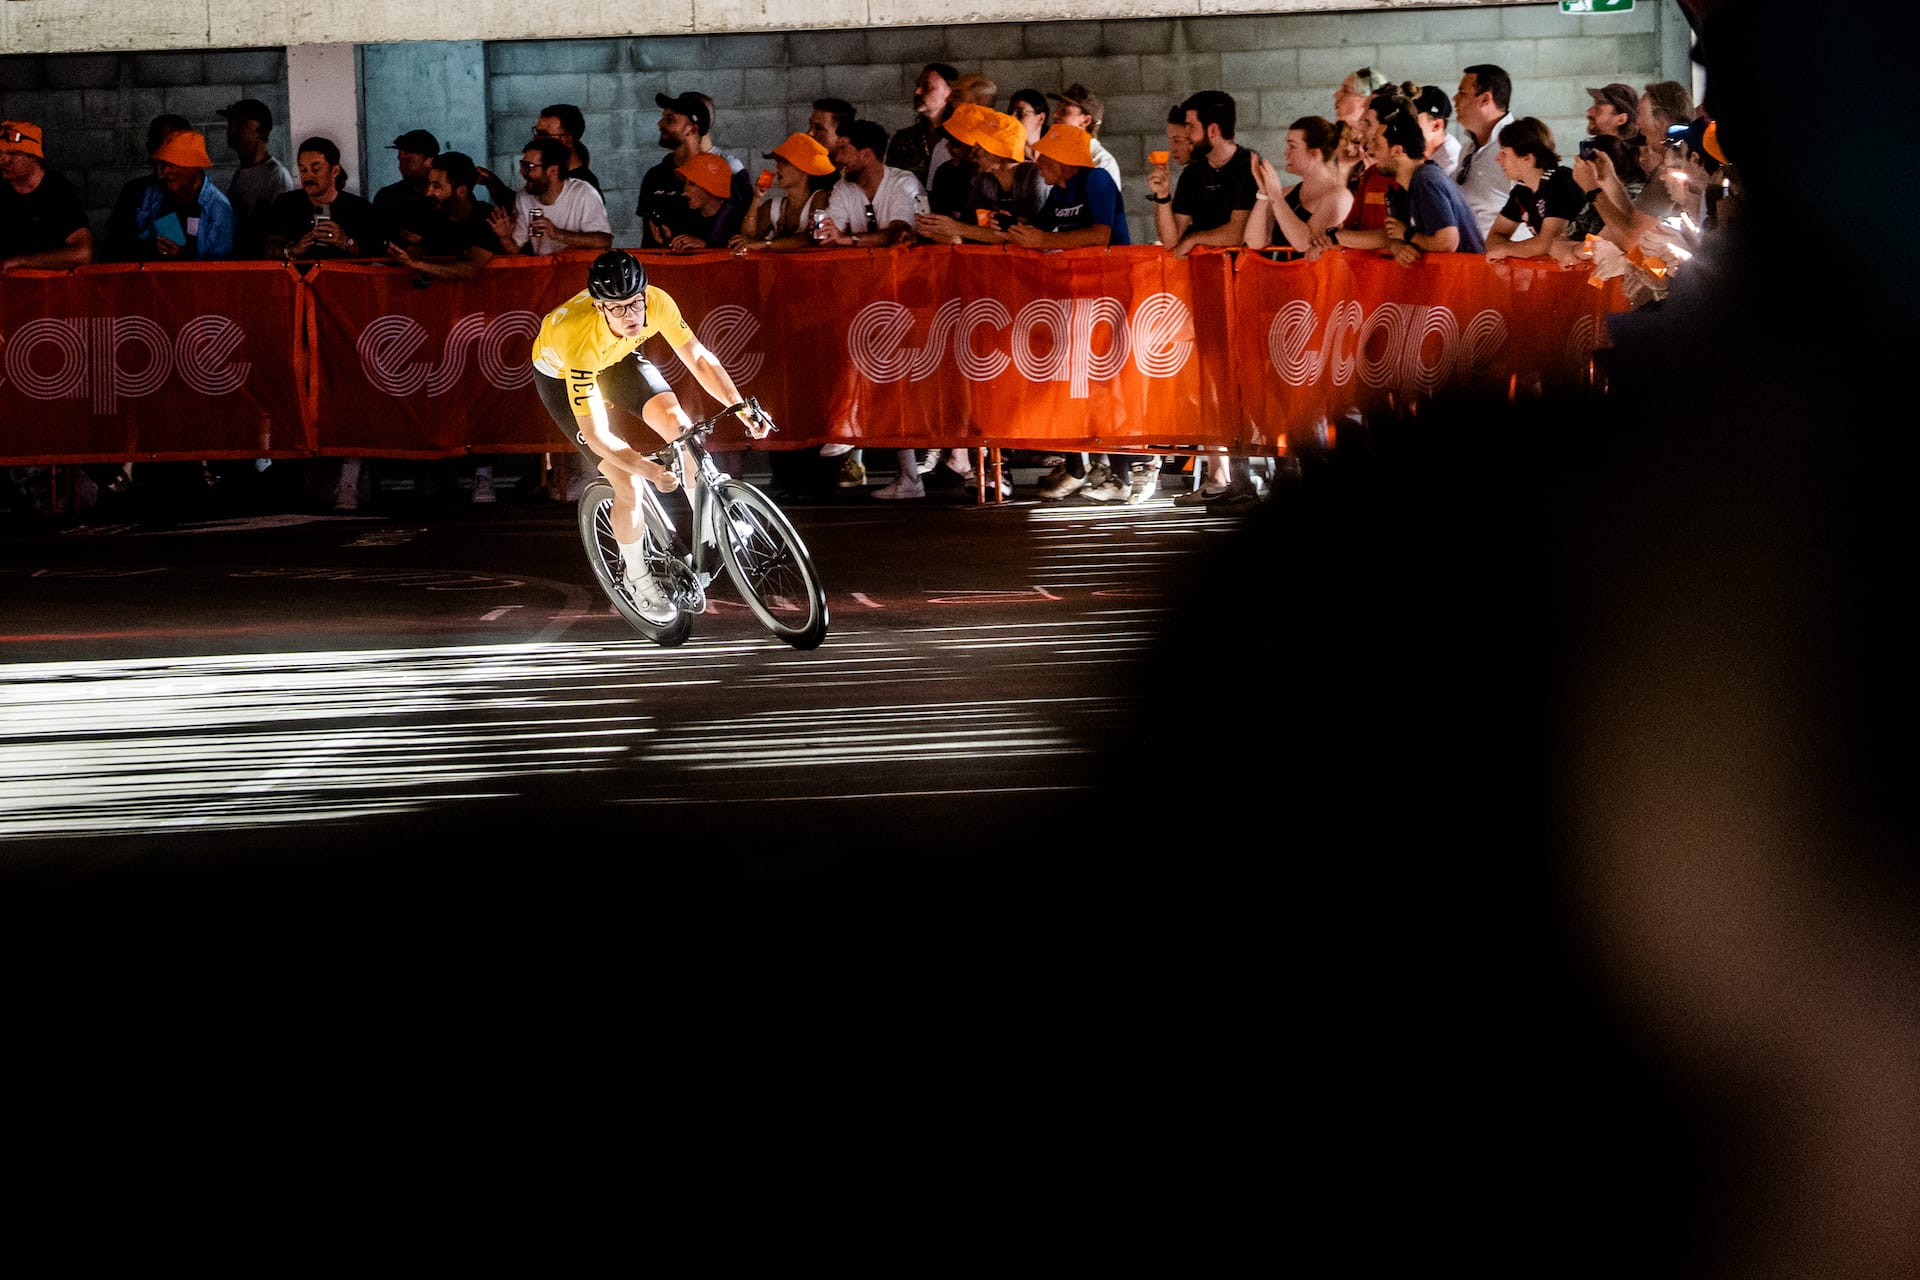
635, 556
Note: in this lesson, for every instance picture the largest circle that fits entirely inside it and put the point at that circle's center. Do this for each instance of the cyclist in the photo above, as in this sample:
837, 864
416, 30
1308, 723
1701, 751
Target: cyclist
588, 352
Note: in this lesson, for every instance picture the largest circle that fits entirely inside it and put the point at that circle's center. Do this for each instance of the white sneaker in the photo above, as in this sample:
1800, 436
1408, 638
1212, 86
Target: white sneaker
648, 600
904, 487
834, 450
1144, 484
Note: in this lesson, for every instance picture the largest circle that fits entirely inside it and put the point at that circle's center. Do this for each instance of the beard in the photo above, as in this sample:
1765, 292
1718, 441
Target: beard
1201, 148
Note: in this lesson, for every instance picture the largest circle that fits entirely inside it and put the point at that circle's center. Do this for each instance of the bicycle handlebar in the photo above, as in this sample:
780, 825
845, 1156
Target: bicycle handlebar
706, 425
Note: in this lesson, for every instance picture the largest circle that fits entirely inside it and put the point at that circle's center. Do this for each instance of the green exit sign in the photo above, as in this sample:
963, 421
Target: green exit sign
1595, 6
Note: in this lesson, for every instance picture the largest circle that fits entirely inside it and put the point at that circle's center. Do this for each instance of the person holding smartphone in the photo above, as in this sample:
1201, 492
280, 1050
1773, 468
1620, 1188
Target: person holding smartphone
322, 219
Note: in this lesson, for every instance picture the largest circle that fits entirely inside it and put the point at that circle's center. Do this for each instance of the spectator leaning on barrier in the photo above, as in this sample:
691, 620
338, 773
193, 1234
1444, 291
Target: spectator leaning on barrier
260, 179
322, 219
1317, 154
1611, 159
873, 206
1480, 105
662, 208
1428, 213
1005, 187
121, 243
184, 202
803, 177
709, 194
456, 240
42, 222
552, 213
1217, 192
971, 88
404, 206
1545, 198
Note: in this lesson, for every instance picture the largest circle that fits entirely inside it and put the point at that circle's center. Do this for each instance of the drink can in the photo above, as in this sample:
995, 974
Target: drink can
819, 223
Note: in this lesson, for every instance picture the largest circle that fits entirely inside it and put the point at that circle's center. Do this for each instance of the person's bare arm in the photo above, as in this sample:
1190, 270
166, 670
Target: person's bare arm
1029, 237
76, 252
1228, 234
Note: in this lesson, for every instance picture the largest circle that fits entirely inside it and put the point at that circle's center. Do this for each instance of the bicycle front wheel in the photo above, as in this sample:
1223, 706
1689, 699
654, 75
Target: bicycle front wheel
770, 565
603, 553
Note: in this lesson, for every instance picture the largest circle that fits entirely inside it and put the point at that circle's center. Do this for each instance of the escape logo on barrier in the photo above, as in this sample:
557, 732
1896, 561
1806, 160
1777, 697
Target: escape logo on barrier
106, 359
498, 347
1396, 346
1078, 341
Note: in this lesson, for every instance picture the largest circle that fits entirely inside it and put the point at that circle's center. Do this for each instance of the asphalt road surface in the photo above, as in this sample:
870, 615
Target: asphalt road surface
433, 698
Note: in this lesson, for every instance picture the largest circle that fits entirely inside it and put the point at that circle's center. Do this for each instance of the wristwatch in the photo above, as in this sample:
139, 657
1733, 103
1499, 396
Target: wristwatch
1154, 199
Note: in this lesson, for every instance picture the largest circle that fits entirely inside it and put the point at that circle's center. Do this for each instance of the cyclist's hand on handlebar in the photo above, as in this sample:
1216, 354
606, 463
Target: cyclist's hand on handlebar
758, 424
661, 478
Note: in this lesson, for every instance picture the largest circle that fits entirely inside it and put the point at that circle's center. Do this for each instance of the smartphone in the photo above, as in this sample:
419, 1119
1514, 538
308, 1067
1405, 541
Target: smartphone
1587, 148
1677, 137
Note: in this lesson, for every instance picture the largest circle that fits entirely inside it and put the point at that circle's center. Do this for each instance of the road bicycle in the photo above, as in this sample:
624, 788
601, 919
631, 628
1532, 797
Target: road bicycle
735, 527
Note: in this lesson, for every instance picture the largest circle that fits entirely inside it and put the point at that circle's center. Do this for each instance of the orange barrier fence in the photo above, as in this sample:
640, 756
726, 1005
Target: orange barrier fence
1111, 349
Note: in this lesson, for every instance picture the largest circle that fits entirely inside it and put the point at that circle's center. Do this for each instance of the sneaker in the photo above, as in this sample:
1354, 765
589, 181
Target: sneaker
1102, 485
1240, 493
1060, 484
648, 600
904, 487
835, 450
1145, 483
346, 497
853, 473
929, 459
482, 489
1206, 493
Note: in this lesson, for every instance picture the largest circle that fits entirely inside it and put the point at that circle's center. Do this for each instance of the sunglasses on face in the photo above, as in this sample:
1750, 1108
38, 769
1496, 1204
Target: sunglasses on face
14, 135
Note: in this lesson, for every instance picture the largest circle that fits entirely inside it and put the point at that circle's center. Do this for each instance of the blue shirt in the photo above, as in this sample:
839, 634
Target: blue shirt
215, 240
1090, 198
1431, 202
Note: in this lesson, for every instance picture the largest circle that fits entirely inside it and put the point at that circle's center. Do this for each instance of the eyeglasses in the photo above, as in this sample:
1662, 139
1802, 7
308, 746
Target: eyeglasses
622, 310
532, 166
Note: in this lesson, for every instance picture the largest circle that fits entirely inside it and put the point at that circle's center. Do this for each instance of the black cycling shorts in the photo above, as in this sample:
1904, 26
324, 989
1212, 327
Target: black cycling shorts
630, 383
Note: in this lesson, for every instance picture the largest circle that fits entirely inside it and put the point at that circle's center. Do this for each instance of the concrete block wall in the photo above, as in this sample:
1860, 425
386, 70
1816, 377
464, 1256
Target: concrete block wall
95, 108
1279, 67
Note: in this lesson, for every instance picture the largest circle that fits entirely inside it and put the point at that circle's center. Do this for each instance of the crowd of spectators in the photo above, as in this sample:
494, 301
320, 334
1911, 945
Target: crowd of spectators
1400, 169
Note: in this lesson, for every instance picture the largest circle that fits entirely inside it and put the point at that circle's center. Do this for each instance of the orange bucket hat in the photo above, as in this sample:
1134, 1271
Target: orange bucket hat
710, 173
804, 153
1068, 144
187, 149
18, 135
990, 130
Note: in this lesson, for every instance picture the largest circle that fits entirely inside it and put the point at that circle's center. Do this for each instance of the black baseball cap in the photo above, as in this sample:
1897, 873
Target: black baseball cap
1433, 101
690, 106
417, 141
249, 109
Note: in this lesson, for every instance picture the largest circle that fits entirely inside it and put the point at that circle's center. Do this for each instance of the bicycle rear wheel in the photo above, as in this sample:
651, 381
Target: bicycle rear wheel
769, 564
663, 562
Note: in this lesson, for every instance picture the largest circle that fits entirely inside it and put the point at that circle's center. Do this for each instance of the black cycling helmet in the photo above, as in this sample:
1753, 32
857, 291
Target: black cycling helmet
616, 274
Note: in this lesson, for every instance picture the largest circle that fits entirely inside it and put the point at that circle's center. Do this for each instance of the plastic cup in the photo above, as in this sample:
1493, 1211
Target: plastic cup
1156, 157
766, 179
983, 216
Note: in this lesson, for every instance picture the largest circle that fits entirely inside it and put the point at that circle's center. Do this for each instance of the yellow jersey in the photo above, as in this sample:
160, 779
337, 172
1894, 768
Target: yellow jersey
574, 342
